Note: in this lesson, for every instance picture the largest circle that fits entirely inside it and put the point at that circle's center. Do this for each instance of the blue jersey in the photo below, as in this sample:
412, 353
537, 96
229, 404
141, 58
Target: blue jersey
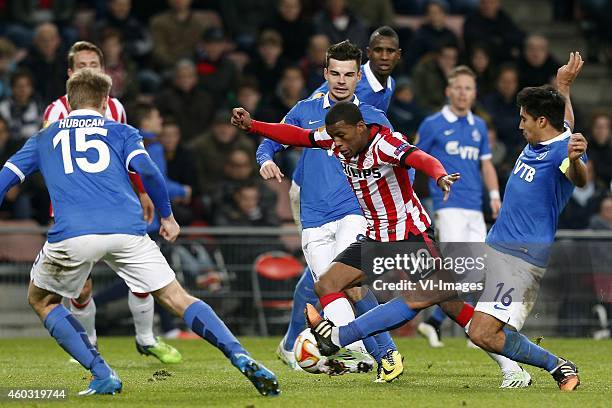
325, 195
83, 159
536, 193
460, 143
369, 90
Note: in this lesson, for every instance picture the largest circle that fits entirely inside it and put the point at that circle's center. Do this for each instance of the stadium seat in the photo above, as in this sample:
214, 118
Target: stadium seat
274, 275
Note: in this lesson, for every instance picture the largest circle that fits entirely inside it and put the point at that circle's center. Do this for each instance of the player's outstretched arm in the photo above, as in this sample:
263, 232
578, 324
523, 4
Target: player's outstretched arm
431, 166
279, 132
565, 77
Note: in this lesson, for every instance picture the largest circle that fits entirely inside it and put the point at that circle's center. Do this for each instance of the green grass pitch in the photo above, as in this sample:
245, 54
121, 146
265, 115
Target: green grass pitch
454, 376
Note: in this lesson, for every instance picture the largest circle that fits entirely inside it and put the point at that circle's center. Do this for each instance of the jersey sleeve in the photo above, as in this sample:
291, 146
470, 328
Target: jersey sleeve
320, 138
25, 161
121, 116
132, 145
485, 149
426, 137
54, 112
393, 149
268, 148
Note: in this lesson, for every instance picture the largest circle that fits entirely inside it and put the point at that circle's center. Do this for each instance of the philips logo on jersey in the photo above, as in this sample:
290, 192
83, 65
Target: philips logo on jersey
465, 152
361, 173
81, 123
527, 172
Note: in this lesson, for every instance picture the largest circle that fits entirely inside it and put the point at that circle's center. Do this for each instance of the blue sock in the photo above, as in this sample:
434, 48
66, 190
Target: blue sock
517, 347
438, 316
304, 293
205, 323
382, 318
72, 337
383, 340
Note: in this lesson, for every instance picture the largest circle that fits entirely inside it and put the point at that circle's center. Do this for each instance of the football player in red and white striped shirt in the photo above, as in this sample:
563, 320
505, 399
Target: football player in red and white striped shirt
81, 55
374, 160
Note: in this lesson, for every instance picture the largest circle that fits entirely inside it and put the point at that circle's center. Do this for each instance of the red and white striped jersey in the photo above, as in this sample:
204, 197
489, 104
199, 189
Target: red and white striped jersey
383, 189
59, 109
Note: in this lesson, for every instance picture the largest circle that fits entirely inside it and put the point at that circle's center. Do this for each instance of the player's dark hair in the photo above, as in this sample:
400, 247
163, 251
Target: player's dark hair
344, 51
343, 111
384, 31
139, 112
83, 46
543, 101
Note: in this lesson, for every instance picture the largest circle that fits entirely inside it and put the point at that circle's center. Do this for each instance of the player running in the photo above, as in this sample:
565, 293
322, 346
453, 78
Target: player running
329, 213
85, 159
458, 138
374, 160
81, 55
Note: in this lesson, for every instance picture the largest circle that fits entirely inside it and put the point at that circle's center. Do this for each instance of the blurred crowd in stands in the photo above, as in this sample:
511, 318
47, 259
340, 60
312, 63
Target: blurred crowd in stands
195, 60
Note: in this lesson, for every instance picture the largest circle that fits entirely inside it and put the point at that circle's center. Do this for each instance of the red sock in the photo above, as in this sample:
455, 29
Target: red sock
465, 315
80, 305
327, 299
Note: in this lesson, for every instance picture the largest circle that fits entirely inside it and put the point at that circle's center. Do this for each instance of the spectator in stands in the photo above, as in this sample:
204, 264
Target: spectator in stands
583, 203
175, 33
429, 77
248, 94
339, 23
603, 219
600, 147
313, 63
34, 12
192, 107
22, 110
218, 74
501, 105
7, 66
433, 32
267, 65
47, 63
16, 204
536, 65
246, 209
182, 168
289, 91
137, 41
480, 62
146, 118
492, 25
212, 149
243, 19
375, 13
295, 30
119, 66
404, 112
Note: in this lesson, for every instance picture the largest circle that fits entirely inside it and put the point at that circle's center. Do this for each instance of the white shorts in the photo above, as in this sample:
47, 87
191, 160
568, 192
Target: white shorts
322, 244
460, 225
63, 267
511, 288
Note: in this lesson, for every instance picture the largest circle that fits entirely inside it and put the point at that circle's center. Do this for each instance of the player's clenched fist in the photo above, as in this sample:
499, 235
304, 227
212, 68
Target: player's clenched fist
577, 146
241, 118
445, 183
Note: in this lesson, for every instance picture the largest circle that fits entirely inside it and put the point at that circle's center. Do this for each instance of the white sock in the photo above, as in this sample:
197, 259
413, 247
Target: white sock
142, 312
85, 313
341, 313
505, 364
